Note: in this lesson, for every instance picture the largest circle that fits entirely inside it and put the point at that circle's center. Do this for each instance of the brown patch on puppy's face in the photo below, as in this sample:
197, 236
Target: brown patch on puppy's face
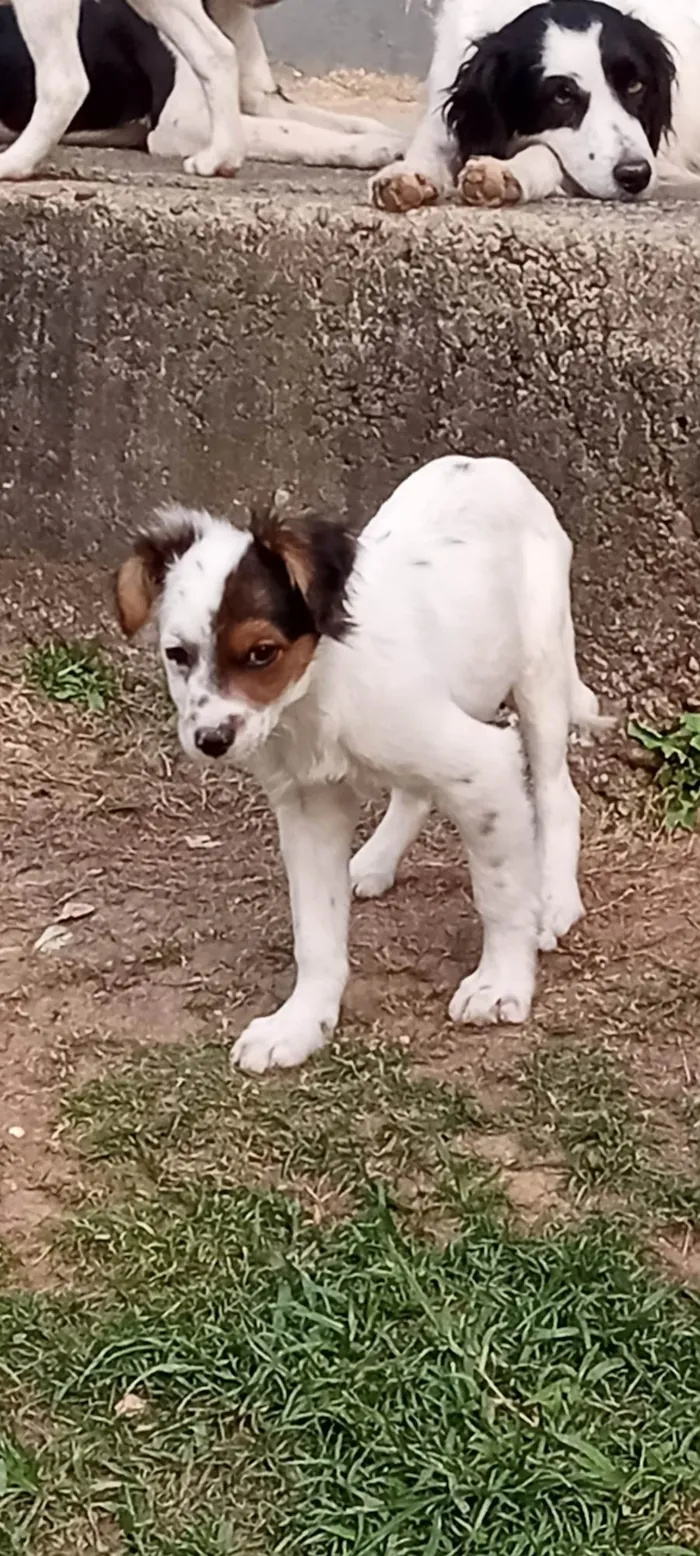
257, 661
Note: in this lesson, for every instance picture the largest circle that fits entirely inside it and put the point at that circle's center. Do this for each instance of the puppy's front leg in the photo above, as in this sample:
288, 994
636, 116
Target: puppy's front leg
315, 828
532, 174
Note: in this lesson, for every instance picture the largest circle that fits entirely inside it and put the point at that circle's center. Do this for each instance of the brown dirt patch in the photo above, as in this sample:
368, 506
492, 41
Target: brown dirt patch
190, 929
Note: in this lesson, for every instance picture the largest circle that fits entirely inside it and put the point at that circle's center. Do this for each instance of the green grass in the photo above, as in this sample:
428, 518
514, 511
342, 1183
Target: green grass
76, 673
343, 1343
355, 1116
677, 776
349, 1389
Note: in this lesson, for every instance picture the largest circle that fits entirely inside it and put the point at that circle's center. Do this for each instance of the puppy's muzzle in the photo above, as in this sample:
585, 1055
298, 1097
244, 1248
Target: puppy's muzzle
216, 742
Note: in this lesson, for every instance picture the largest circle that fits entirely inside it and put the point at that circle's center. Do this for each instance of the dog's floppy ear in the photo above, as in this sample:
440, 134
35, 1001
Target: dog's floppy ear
660, 73
317, 555
475, 112
141, 577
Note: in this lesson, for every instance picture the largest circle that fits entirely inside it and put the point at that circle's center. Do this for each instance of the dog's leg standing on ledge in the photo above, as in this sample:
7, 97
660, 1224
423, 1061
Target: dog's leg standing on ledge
50, 31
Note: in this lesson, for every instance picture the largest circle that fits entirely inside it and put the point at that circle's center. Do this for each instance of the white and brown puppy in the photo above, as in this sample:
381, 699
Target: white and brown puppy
566, 96
320, 663
194, 74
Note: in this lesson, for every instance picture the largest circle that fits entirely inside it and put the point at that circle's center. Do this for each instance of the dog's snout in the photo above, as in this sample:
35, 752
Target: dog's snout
216, 742
632, 176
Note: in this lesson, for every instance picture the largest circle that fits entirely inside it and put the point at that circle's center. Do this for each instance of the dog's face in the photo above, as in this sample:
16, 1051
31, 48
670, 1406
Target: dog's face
590, 82
240, 616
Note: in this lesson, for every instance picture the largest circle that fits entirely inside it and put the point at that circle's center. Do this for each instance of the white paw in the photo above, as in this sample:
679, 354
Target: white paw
281, 1041
399, 189
561, 908
486, 997
16, 168
370, 876
212, 163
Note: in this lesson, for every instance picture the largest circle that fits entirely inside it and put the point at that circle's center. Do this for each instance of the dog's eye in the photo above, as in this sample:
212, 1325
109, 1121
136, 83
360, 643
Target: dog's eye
180, 656
565, 95
634, 88
261, 655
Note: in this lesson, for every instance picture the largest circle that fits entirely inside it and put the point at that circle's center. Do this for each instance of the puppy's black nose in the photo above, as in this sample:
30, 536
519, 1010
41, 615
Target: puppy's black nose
215, 742
632, 177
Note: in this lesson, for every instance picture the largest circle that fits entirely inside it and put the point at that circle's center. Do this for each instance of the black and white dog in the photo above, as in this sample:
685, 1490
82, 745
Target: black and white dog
188, 78
572, 96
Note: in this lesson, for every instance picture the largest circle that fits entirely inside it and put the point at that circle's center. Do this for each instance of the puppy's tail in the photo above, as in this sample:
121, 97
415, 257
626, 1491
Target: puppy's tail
584, 708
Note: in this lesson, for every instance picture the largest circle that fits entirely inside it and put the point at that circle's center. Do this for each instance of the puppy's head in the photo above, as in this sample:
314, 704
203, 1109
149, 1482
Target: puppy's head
591, 82
240, 615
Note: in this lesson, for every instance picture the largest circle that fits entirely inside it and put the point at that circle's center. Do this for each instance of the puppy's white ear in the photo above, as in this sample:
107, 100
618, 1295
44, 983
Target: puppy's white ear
141, 577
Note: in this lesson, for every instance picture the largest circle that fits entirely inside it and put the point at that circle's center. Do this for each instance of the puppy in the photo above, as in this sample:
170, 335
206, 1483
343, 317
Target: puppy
101, 70
567, 96
321, 664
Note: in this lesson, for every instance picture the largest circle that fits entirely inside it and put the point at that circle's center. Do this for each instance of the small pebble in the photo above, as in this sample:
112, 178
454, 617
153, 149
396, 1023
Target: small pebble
16, 1131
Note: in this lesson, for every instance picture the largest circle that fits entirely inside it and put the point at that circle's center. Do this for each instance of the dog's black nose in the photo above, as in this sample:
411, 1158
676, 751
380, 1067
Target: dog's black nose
215, 742
632, 177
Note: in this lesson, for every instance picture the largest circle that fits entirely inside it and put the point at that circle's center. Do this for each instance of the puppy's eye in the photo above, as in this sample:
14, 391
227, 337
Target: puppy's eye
565, 95
634, 88
261, 655
180, 656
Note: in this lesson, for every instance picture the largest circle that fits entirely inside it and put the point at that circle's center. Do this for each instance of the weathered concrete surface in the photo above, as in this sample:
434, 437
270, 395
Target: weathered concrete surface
160, 337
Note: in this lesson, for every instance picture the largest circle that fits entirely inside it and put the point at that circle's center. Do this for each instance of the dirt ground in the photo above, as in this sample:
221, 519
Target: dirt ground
164, 883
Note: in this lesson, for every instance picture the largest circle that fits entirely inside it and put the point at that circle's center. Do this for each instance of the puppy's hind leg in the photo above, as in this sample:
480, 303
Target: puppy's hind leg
491, 809
50, 31
373, 869
542, 697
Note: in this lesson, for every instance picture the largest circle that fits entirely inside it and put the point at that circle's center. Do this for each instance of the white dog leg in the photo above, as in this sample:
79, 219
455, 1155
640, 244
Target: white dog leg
543, 701
269, 140
212, 57
50, 31
373, 869
316, 830
490, 806
532, 174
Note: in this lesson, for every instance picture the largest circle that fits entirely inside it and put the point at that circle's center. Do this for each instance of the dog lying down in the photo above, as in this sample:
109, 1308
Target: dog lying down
319, 662
105, 75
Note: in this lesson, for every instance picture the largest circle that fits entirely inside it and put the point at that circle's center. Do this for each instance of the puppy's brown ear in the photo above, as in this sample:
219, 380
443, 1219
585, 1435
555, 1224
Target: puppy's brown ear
140, 579
318, 556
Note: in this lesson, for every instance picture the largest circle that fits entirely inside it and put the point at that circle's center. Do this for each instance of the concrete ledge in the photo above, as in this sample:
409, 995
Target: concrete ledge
160, 337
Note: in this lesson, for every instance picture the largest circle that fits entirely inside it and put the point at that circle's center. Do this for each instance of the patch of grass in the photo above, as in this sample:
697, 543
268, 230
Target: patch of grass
76, 673
348, 1390
579, 1102
677, 754
582, 1104
356, 1115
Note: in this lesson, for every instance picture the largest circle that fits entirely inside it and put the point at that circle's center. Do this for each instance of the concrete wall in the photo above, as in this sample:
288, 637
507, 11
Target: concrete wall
209, 344
375, 34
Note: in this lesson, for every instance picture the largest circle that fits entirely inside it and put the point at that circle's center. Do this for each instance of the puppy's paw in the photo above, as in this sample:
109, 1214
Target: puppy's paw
487, 997
398, 190
487, 181
561, 909
281, 1041
370, 874
213, 163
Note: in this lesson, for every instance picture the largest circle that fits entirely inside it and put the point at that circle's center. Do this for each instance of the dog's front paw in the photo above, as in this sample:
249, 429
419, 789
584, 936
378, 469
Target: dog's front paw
488, 996
398, 190
487, 181
281, 1041
371, 874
